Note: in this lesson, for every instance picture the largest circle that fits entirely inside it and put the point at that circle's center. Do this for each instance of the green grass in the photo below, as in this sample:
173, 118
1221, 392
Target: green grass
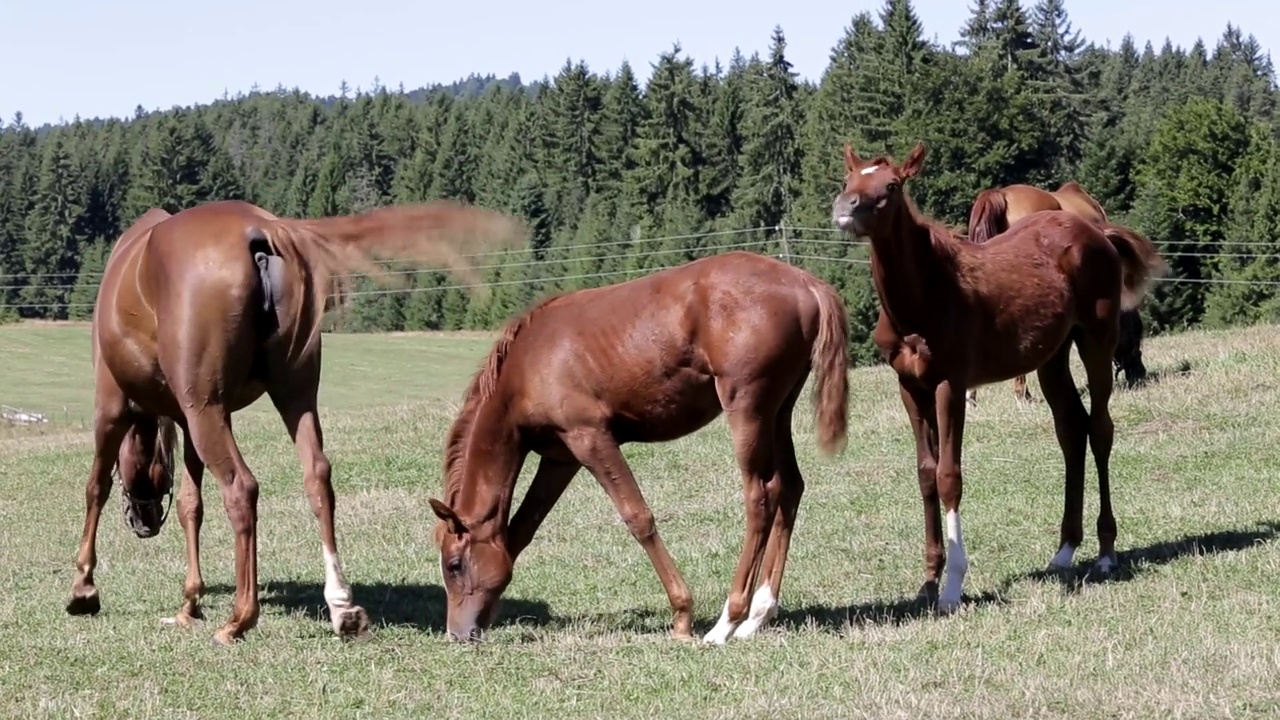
1191, 629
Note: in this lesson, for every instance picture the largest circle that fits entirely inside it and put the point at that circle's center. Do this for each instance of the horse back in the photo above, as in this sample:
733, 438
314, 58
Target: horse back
645, 355
1024, 200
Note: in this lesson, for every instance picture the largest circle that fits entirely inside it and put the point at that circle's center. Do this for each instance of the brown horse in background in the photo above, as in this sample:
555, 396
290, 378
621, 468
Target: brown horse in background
995, 209
954, 315
647, 360
198, 315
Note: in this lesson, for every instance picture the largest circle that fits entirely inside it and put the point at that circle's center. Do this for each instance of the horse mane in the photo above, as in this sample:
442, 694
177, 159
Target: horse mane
944, 238
481, 387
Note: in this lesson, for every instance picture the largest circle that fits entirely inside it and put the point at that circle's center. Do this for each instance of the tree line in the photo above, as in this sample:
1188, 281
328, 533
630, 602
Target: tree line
618, 177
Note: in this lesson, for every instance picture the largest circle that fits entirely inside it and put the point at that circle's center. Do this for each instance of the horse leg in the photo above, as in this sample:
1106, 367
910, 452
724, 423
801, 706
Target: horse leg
301, 419
753, 435
109, 428
216, 445
599, 453
1096, 353
548, 484
1020, 389
764, 602
191, 515
920, 406
950, 484
1071, 425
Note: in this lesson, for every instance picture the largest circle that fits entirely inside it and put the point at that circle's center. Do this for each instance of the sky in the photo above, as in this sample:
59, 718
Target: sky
100, 58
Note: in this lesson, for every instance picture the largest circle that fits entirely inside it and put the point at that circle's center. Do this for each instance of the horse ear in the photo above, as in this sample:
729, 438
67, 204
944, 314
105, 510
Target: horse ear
851, 160
915, 160
450, 518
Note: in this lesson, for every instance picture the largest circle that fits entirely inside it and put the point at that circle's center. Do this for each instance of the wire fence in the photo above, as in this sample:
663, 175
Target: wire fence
821, 245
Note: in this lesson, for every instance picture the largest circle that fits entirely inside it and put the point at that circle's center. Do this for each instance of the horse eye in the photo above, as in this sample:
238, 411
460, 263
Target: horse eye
455, 566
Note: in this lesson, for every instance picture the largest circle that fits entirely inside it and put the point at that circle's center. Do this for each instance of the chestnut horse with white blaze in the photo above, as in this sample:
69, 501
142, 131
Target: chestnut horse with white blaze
954, 315
197, 316
647, 360
995, 209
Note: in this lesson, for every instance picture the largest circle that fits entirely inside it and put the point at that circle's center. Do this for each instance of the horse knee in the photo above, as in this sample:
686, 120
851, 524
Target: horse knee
641, 524
950, 484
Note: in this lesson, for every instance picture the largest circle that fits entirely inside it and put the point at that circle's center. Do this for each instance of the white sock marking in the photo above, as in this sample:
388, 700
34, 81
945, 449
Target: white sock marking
719, 634
763, 608
337, 594
1104, 565
957, 565
1064, 558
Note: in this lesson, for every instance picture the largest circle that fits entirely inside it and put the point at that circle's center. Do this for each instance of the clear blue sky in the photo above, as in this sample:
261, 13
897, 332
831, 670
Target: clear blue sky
103, 57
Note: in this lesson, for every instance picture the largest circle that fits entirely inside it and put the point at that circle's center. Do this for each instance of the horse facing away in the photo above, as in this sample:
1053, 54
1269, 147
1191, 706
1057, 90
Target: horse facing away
648, 360
198, 315
995, 209
955, 314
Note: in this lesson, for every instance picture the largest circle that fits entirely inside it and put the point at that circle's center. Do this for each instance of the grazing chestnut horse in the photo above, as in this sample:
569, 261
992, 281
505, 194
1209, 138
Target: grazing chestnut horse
200, 313
995, 209
647, 360
955, 314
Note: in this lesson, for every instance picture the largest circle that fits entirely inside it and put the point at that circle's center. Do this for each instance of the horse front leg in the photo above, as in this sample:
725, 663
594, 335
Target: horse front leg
919, 404
950, 403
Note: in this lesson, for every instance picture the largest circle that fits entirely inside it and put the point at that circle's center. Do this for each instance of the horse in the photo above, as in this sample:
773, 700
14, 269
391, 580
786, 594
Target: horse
995, 209
647, 360
199, 314
954, 315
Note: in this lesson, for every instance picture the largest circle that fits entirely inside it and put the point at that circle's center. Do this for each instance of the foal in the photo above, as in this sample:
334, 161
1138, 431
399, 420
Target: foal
647, 360
954, 315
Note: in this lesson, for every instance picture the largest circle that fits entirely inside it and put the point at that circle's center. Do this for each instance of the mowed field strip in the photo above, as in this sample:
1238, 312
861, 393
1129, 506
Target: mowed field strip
1191, 628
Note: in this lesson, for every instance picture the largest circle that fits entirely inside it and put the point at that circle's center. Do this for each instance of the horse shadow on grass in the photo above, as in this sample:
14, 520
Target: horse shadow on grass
420, 606
1133, 563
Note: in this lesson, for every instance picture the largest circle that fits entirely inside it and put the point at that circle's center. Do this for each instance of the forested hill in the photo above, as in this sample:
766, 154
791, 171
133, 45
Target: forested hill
620, 174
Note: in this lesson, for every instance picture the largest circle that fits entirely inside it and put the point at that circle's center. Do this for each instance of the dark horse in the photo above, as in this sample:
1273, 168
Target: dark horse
199, 314
995, 209
954, 315
647, 360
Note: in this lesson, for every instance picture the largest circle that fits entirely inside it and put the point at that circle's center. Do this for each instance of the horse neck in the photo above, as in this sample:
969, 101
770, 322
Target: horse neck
907, 267
490, 465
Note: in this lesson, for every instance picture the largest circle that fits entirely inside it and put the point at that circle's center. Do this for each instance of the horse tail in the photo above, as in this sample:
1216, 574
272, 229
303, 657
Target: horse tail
830, 360
442, 233
1140, 263
986, 219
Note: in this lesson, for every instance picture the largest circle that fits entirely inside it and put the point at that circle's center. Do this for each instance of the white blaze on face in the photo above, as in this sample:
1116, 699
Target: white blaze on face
869, 170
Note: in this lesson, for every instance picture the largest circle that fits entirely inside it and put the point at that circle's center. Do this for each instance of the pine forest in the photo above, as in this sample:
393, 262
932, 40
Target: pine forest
619, 174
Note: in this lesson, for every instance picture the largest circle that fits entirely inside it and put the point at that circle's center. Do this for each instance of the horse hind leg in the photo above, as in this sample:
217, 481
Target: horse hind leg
1096, 352
299, 411
752, 423
109, 428
216, 446
764, 602
1071, 425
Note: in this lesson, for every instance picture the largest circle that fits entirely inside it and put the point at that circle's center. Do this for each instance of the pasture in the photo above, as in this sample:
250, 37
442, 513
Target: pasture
1190, 628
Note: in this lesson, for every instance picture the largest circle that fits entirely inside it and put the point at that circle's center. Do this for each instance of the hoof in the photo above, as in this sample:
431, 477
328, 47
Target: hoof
1105, 568
87, 604
225, 637
182, 620
353, 624
948, 606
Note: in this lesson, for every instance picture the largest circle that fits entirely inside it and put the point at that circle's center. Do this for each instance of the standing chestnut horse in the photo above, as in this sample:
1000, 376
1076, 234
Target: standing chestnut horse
954, 315
647, 360
199, 314
995, 209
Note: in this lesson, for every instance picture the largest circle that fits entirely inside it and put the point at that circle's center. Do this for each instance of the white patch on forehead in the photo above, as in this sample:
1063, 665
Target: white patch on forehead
869, 170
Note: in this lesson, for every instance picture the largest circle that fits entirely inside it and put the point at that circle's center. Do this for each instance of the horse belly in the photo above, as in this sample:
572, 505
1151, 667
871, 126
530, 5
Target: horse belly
672, 409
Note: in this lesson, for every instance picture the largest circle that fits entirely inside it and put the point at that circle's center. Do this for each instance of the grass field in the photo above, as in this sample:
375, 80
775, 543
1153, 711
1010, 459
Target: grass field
1191, 628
